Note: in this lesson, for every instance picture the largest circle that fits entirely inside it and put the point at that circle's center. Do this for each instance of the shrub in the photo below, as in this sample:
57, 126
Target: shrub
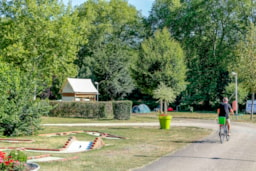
122, 109
18, 155
81, 109
110, 110
19, 113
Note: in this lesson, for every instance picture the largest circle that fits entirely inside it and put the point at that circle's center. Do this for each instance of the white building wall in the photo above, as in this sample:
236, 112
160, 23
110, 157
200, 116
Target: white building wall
68, 89
65, 98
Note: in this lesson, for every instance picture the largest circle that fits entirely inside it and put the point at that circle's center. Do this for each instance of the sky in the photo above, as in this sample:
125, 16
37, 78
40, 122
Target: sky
144, 6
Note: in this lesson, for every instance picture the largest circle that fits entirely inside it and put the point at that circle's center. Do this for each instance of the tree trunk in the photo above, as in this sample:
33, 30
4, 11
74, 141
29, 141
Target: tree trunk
161, 106
252, 107
165, 107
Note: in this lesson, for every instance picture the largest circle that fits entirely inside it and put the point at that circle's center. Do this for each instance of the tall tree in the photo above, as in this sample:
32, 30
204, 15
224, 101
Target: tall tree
109, 22
111, 65
246, 52
39, 37
106, 20
161, 59
208, 31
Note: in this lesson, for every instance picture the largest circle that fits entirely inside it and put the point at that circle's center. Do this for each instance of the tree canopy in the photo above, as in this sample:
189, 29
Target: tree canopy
246, 53
39, 37
113, 36
110, 42
161, 59
208, 32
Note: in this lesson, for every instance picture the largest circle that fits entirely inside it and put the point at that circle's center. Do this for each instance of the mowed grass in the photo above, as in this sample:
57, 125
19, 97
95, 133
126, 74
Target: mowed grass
148, 117
142, 146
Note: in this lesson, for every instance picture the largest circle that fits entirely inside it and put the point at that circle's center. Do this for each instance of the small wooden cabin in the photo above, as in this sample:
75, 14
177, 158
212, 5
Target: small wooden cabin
76, 89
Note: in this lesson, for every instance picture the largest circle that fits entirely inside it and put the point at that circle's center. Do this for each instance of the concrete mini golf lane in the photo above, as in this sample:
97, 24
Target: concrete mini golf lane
239, 154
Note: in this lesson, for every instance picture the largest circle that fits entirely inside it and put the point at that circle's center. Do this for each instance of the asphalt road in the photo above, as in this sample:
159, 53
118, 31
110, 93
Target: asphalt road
208, 154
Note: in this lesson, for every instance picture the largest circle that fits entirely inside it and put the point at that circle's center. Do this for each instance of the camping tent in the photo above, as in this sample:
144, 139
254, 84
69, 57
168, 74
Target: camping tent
142, 108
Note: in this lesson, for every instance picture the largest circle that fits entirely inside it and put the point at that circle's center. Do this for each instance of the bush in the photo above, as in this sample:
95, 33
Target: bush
18, 155
19, 113
81, 109
122, 109
109, 110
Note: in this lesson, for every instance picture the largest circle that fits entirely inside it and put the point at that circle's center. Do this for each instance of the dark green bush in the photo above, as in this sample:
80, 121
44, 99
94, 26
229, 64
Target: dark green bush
81, 109
109, 110
122, 109
19, 113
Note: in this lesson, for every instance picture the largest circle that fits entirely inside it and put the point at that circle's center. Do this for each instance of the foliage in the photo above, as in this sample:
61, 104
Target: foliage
82, 109
101, 39
164, 94
242, 92
247, 61
39, 37
111, 67
208, 31
114, 31
19, 113
99, 110
122, 109
161, 59
18, 155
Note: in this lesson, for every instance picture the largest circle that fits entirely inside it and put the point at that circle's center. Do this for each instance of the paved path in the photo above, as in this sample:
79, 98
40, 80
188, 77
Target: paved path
239, 154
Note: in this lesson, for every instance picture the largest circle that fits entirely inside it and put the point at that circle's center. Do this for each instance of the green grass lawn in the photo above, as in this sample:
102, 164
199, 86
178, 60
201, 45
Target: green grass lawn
142, 146
148, 117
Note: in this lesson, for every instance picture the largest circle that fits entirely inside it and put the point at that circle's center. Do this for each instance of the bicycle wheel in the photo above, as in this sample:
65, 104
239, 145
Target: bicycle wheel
222, 138
227, 137
226, 132
221, 134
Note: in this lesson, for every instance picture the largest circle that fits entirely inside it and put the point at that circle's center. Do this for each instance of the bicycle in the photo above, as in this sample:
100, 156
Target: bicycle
223, 131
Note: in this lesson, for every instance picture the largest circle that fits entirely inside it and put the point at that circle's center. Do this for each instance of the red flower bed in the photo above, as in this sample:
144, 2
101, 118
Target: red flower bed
7, 163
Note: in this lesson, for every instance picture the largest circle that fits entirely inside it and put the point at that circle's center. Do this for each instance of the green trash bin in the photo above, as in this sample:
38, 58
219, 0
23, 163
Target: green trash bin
165, 122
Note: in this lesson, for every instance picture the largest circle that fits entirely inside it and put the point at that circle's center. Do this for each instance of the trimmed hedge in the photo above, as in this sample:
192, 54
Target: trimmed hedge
122, 109
97, 110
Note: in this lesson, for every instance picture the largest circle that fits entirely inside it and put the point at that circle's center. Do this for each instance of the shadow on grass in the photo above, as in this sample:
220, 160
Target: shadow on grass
120, 128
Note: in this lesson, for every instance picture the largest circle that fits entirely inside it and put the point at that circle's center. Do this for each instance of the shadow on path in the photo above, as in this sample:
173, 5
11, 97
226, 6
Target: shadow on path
211, 158
198, 142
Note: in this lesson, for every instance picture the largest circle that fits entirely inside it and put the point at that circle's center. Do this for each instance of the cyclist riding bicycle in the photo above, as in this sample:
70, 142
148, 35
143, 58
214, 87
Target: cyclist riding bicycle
224, 110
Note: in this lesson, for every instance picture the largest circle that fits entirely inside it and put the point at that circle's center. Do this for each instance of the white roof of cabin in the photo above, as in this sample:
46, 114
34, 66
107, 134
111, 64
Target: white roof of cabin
76, 85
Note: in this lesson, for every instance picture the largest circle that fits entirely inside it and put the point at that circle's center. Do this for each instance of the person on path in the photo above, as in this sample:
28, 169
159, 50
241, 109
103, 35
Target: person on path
224, 110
